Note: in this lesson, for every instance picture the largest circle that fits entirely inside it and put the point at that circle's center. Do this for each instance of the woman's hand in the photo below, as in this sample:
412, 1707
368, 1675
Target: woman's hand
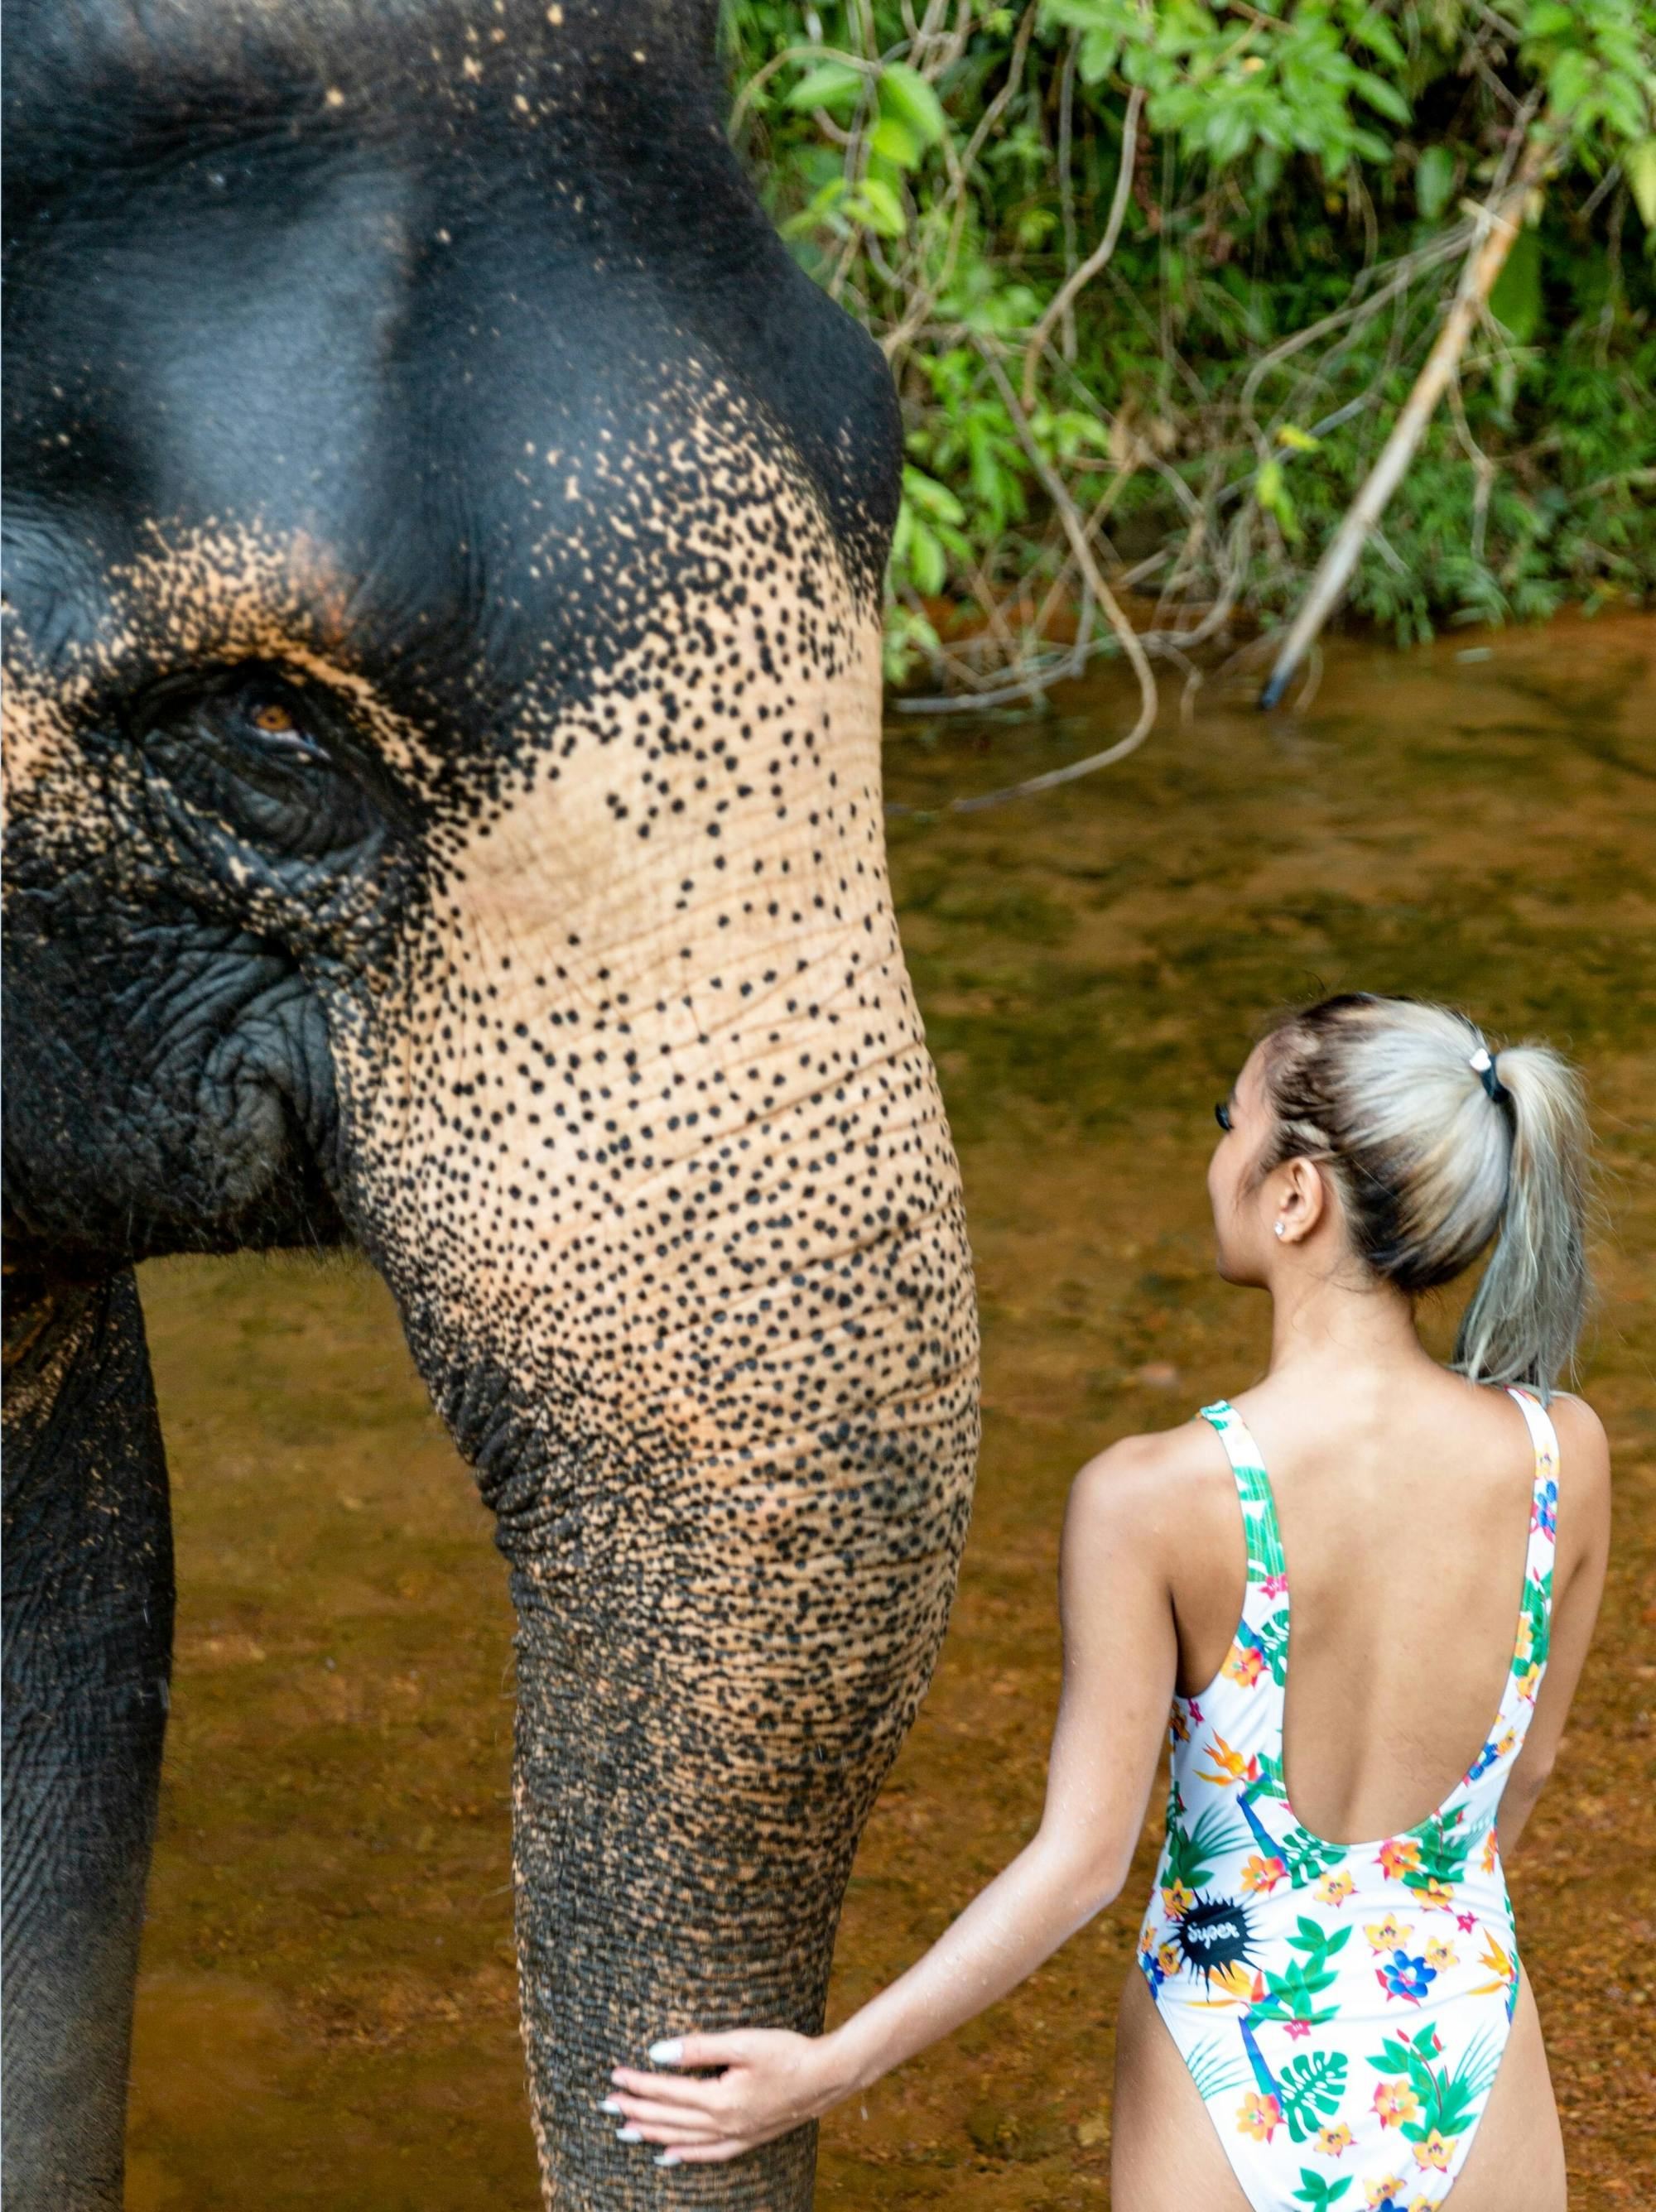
773, 2081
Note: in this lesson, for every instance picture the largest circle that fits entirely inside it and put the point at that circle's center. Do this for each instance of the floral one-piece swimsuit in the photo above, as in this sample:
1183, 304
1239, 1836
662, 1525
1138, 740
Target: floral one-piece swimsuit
1342, 2007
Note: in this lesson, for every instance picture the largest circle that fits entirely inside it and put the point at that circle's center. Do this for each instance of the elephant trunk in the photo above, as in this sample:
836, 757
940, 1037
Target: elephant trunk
718, 1653
662, 1182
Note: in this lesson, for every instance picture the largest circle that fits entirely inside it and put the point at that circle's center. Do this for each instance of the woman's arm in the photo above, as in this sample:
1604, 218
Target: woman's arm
1577, 1585
1120, 1659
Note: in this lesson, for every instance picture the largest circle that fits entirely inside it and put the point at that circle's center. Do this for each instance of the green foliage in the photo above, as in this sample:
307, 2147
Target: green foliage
1303, 179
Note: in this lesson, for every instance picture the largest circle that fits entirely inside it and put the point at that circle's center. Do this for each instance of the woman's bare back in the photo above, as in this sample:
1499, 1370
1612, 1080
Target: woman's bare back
1404, 1509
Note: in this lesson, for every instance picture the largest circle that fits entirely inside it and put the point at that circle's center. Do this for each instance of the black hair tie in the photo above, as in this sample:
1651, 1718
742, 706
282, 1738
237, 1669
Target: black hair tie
1492, 1082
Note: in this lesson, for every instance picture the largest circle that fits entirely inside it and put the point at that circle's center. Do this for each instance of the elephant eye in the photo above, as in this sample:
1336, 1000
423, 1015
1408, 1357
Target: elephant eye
278, 721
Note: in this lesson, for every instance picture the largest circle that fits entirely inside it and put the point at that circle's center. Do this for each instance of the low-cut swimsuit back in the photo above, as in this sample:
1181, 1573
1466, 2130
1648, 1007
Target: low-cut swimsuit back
1342, 2007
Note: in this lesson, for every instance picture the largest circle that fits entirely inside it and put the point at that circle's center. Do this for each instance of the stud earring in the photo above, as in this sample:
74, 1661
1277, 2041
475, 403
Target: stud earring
1280, 1230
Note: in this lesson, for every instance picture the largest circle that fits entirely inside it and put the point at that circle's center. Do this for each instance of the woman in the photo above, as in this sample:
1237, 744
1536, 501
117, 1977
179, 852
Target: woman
1351, 2013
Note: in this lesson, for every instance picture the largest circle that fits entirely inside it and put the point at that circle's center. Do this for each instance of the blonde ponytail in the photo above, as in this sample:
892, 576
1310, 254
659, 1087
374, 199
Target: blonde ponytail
1436, 1144
1525, 1314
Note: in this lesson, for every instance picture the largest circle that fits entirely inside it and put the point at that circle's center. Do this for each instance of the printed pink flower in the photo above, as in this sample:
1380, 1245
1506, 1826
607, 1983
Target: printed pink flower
1296, 2030
1274, 1585
1260, 2117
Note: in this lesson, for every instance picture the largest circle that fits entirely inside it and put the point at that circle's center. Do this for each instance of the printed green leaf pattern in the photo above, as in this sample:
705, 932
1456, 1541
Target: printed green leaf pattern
1448, 2098
1317, 2192
1311, 2086
1192, 1853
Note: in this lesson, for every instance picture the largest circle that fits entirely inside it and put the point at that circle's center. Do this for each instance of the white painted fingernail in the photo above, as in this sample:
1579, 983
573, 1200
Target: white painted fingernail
628, 2134
668, 2158
668, 2053
611, 2105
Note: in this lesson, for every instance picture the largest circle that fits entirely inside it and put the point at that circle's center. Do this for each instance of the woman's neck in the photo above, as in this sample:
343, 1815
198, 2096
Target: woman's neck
1324, 1319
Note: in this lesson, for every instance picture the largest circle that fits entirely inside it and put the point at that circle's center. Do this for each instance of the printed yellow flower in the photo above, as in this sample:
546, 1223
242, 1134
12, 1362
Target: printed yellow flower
1244, 1665
1177, 1899
1500, 1965
1399, 1858
1491, 1852
1179, 1727
1387, 1935
1396, 2103
1436, 2151
1332, 2141
1527, 1681
1262, 1875
1260, 2117
1440, 1955
1379, 2192
1146, 1942
1240, 1983
1167, 1959
1335, 1888
1230, 1766
1434, 1893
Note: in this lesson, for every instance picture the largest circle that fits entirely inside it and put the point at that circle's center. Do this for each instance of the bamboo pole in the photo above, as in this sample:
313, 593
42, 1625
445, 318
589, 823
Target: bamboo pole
1497, 226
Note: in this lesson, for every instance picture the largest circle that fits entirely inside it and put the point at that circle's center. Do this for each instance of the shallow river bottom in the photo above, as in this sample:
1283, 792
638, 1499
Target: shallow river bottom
327, 2019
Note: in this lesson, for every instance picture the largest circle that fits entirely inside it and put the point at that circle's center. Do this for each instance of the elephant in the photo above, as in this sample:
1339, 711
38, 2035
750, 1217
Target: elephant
443, 818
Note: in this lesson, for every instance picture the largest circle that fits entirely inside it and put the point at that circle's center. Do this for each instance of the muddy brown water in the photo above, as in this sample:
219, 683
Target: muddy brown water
327, 2018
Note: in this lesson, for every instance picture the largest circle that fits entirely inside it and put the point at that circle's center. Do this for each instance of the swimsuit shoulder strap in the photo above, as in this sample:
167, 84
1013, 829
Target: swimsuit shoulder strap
1266, 1565
1543, 1504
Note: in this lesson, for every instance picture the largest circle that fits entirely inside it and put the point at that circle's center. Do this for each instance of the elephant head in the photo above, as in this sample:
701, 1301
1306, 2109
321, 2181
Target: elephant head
444, 814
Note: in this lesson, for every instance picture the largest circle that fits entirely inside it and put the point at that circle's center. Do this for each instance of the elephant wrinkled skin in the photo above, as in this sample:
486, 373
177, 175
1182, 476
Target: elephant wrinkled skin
444, 814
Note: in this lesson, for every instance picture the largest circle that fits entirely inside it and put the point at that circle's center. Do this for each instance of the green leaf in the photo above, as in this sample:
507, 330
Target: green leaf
1378, 93
1434, 180
1298, 441
831, 85
1639, 165
927, 564
907, 98
1515, 302
894, 142
937, 500
876, 205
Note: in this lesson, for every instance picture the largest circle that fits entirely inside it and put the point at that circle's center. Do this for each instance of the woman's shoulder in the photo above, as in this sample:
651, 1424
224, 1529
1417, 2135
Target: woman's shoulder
1156, 1480
1583, 1472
